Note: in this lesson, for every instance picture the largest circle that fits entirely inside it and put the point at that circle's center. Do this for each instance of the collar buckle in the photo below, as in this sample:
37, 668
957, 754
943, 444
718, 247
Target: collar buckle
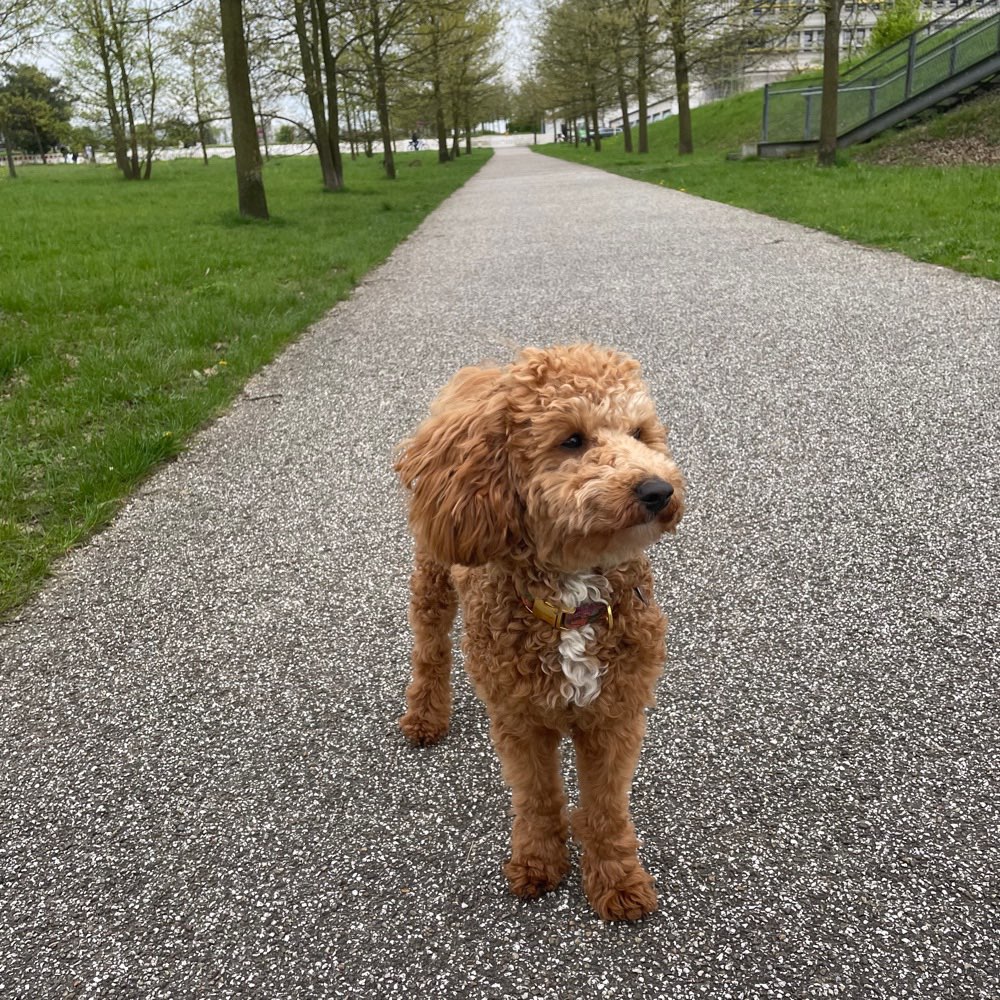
548, 613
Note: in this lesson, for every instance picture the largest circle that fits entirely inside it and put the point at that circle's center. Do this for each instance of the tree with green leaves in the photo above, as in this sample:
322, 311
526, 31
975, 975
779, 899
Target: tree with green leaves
270, 60
527, 107
320, 48
574, 60
752, 32
897, 20
449, 67
19, 21
378, 28
198, 71
645, 37
623, 50
473, 72
703, 32
115, 62
35, 113
357, 104
431, 40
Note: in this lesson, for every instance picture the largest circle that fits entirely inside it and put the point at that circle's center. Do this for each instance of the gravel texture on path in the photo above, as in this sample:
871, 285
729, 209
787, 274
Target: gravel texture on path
203, 788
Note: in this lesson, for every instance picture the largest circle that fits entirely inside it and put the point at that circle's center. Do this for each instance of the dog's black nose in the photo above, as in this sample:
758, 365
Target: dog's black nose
654, 494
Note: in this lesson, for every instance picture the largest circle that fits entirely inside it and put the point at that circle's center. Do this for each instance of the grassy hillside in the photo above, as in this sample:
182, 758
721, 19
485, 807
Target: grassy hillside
913, 191
967, 134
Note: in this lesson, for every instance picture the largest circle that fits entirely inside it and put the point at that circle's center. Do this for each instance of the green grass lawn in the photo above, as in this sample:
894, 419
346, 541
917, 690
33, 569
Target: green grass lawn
130, 313
945, 215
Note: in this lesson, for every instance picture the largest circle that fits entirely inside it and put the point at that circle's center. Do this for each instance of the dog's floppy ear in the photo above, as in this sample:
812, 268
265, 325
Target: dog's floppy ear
463, 504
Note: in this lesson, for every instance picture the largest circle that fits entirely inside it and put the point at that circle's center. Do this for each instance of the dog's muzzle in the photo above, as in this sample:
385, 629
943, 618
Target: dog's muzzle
654, 495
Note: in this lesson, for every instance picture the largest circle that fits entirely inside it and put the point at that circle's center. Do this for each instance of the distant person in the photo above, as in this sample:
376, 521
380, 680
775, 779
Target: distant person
415, 141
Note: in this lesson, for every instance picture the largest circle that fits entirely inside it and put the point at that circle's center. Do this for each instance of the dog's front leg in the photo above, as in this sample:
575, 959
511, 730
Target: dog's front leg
530, 757
616, 884
433, 603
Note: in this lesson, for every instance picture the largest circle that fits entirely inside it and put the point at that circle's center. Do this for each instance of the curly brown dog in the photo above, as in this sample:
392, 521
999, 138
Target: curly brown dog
534, 491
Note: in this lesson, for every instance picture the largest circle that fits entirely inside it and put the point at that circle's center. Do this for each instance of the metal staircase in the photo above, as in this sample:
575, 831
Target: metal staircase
946, 58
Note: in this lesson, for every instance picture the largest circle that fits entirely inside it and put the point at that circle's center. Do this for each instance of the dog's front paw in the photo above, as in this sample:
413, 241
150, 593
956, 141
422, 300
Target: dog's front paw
618, 892
530, 877
422, 730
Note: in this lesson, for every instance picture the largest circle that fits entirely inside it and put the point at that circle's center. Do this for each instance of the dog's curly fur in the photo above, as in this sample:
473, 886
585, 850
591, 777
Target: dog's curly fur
524, 482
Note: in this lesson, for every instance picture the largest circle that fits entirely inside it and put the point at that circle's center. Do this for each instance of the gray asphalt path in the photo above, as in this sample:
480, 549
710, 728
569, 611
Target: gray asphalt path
202, 787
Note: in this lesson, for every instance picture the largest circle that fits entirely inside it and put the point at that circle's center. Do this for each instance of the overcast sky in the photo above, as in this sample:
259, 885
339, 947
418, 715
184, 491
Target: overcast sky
522, 15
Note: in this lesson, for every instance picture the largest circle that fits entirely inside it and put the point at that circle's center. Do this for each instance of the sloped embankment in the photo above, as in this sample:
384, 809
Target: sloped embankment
967, 134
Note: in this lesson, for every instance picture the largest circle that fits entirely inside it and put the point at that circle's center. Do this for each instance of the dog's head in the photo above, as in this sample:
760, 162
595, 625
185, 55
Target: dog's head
558, 458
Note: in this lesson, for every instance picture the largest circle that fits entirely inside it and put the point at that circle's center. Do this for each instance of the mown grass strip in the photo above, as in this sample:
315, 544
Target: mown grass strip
944, 215
132, 313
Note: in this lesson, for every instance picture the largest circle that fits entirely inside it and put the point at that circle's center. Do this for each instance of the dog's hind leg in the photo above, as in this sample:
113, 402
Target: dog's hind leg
433, 602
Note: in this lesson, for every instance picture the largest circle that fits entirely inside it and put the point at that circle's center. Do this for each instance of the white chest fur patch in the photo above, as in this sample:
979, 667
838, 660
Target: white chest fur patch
581, 671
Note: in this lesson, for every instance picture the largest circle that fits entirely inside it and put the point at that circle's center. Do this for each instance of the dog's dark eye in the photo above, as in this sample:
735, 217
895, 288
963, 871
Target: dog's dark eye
573, 442
637, 433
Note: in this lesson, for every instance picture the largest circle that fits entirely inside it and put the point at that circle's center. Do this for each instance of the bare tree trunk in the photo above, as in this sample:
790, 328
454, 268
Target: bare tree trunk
148, 168
332, 96
380, 90
200, 116
440, 126
314, 93
382, 107
262, 129
249, 169
827, 155
369, 136
682, 78
623, 101
109, 43
11, 170
456, 133
352, 127
642, 94
468, 137
153, 90
111, 101
132, 139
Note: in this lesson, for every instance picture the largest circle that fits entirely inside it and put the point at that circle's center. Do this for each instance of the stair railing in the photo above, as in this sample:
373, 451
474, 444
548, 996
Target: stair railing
928, 56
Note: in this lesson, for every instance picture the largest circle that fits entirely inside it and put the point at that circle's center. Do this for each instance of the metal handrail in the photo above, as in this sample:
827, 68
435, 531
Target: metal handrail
950, 43
918, 55
945, 22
